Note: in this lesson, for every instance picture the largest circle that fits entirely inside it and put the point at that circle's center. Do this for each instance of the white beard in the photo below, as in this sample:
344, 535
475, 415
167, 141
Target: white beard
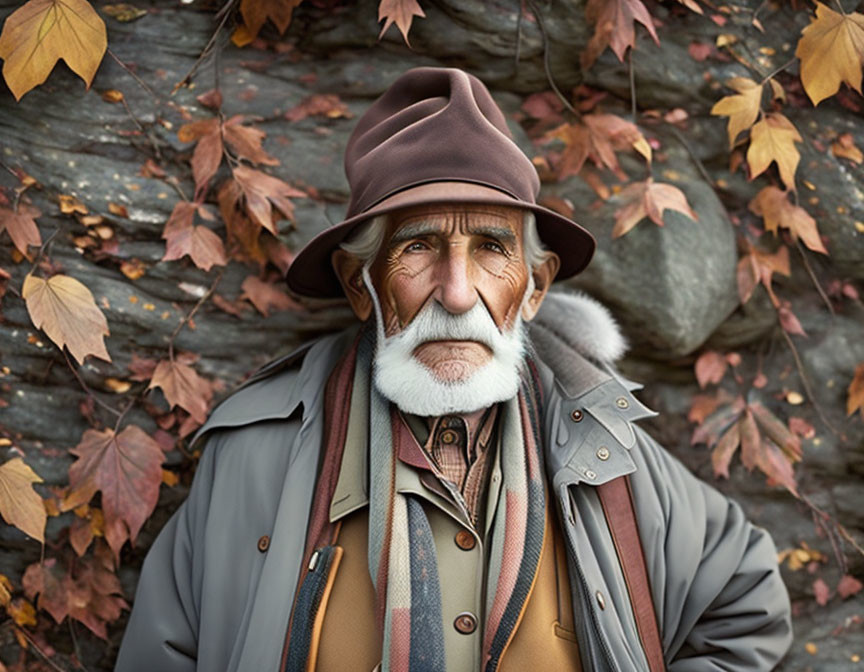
402, 379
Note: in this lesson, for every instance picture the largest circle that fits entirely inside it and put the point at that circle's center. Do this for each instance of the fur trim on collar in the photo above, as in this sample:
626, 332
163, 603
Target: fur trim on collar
583, 323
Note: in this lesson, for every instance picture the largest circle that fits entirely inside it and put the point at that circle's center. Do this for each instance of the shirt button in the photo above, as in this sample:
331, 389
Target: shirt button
465, 540
466, 623
264, 543
448, 436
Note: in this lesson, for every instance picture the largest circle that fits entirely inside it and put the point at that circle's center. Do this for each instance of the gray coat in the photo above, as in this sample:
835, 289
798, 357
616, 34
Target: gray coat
208, 599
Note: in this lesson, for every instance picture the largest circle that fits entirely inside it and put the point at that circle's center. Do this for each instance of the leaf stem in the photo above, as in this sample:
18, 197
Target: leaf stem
192, 312
546, 66
777, 71
89, 392
813, 276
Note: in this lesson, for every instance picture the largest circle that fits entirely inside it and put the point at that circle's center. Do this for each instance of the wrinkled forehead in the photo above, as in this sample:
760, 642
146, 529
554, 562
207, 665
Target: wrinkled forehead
498, 221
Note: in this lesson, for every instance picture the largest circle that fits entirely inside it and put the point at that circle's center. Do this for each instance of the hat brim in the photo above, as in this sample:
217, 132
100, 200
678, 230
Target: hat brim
311, 273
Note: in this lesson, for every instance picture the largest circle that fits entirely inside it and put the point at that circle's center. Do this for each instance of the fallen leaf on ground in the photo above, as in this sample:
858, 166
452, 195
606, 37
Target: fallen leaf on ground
614, 26
774, 206
21, 226
649, 199
741, 108
400, 12
773, 140
855, 400
183, 387
266, 296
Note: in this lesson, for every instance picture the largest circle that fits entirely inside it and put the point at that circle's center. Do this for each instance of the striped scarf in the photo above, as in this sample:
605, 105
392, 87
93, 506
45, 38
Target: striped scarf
401, 550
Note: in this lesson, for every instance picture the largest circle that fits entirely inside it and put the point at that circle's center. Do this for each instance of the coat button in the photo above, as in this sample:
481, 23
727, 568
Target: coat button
600, 599
603, 453
448, 436
466, 623
576, 415
621, 402
590, 474
264, 543
465, 540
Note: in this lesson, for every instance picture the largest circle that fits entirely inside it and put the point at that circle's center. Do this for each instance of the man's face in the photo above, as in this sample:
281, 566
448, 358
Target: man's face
456, 256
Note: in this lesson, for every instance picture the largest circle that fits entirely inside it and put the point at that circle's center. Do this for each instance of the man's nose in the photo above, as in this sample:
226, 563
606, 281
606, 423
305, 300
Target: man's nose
456, 290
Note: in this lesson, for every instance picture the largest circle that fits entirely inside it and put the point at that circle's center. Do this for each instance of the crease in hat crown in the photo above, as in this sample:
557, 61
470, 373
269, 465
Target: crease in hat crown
432, 125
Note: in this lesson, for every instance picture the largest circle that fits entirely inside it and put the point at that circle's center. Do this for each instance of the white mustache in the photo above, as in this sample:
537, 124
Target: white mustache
436, 323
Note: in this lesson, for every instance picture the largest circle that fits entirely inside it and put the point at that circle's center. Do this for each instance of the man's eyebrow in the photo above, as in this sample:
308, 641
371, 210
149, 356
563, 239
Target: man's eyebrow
501, 233
415, 230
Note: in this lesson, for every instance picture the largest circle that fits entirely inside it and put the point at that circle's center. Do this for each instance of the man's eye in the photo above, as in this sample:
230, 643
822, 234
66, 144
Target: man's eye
416, 247
495, 247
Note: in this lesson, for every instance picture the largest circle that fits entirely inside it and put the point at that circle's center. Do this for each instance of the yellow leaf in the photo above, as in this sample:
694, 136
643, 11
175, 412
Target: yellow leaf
777, 90
64, 308
5, 590
22, 612
773, 139
20, 504
42, 32
844, 147
774, 206
831, 49
742, 108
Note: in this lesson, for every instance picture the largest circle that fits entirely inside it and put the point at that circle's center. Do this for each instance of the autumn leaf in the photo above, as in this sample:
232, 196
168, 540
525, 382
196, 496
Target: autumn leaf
614, 26
831, 49
774, 206
246, 141
773, 139
400, 12
597, 137
855, 400
649, 199
20, 504
848, 586
725, 449
182, 387
710, 368
260, 190
65, 310
202, 245
821, 592
89, 523
256, 12
127, 469
757, 266
845, 148
327, 105
21, 226
741, 108
208, 150
42, 32
264, 296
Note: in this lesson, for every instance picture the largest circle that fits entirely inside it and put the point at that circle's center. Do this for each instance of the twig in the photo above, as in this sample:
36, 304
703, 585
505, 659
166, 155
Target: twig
518, 37
41, 251
696, 160
140, 81
632, 85
806, 382
192, 312
824, 517
558, 93
89, 392
778, 70
813, 276
205, 52
35, 646
81, 665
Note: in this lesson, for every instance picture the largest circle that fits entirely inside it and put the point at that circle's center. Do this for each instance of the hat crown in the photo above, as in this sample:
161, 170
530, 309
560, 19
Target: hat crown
432, 125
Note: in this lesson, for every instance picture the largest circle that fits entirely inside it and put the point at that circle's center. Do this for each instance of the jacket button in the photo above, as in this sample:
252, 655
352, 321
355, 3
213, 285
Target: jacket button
590, 474
600, 599
576, 415
466, 623
264, 543
603, 453
622, 402
465, 540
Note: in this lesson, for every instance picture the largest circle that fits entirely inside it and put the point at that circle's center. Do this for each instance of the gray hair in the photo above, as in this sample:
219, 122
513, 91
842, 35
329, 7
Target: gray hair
365, 241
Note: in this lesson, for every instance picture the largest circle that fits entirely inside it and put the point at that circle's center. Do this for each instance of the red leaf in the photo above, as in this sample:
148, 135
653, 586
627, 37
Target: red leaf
750, 441
183, 387
821, 592
21, 226
265, 296
788, 320
710, 368
726, 447
848, 586
127, 469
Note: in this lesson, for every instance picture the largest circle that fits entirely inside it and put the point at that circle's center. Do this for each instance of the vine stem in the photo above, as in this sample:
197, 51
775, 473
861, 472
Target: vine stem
192, 312
554, 86
38, 650
813, 276
226, 9
89, 392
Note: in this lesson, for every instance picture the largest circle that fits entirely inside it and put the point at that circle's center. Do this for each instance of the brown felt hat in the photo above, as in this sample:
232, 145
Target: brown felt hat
435, 136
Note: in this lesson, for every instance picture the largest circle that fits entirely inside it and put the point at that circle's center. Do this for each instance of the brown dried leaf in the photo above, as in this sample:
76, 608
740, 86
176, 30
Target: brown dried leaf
773, 139
183, 387
246, 141
855, 400
264, 296
127, 469
649, 199
710, 368
614, 22
848, 586
400, 12
722, 454
256, 12
774, 206
20, 504
21, 226
260, 190
65, 309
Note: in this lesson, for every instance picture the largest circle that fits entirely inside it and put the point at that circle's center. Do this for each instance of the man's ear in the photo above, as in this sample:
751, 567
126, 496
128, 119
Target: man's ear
543, 276
349, 270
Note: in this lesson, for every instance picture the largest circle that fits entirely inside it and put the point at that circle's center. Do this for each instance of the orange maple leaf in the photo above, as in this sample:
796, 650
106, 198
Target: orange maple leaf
774, 206
203, 246
264, 296
649, 199
260, 190
831, 48
246, 141
773, 139
757, 266
855, 400
256, 12
127, 469
42, 32
20, 504
400, 12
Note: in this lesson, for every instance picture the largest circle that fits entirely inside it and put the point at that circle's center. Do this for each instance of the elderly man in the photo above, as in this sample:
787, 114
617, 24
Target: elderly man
457, 482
